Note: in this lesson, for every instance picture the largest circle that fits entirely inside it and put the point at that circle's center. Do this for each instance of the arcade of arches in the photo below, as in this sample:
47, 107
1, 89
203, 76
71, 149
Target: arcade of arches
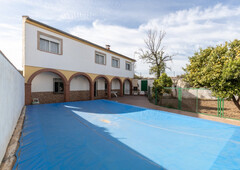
53, 86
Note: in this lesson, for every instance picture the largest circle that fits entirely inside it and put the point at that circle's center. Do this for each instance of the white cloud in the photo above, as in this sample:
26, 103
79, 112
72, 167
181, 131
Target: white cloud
187, 30
11, 43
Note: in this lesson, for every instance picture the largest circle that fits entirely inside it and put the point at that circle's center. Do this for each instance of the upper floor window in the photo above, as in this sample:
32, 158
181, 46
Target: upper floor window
49, 46
100, 58
115, 62
128, 66
49, 43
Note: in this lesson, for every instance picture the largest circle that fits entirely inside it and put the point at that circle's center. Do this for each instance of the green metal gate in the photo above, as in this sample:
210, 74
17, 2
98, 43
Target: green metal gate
144, 84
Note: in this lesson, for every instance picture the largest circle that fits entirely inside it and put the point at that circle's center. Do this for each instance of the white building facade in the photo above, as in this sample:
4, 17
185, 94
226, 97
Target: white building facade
61, 67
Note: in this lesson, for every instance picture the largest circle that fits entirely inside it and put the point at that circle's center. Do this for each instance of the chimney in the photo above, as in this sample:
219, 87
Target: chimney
108, 47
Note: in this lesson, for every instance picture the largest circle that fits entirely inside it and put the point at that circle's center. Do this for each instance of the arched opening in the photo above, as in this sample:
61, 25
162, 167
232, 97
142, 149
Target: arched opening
80, 87
127, 87
101, 89
48, 86
116, 87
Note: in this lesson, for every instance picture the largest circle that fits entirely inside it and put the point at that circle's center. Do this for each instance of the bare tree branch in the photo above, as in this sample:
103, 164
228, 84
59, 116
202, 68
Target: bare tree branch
155, 52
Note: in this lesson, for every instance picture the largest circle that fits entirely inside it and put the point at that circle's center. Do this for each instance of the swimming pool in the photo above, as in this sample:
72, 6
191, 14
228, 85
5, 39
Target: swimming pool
103, 134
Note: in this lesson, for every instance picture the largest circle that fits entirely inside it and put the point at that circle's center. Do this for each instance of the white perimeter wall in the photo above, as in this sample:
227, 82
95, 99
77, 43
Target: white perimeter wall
11, 101
149, 83
76, 56
139, 85
193, 93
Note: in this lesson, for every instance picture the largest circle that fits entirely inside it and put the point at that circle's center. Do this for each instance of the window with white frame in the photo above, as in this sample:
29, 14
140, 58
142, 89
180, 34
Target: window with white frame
115, 62
100, 58
128, 66
49, 43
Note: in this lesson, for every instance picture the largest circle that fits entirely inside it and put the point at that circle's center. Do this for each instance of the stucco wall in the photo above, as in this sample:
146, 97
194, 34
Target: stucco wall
43, 82
193, 93
100, 84
202, 94
115, 84
149, 83
79, 83
126, 87
76, 56
11, 101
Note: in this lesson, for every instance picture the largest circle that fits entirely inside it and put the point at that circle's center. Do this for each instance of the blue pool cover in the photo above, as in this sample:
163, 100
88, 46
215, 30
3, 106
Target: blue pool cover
103, 134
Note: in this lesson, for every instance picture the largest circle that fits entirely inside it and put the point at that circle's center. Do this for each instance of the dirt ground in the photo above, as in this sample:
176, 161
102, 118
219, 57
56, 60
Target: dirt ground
230, 110
204, 106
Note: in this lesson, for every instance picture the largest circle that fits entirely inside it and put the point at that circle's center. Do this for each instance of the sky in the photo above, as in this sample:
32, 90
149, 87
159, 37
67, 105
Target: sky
189, 25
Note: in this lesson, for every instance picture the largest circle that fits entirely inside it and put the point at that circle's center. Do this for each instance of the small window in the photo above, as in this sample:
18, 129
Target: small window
49, 43
58, 86
49, 46
100, 58
128, 66
115, 62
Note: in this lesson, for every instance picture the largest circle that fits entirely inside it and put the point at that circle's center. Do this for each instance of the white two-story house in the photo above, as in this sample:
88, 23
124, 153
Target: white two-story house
60, 67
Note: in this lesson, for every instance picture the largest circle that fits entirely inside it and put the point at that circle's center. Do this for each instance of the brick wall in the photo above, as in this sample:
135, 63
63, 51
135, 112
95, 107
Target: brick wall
48, 97
102, 94
79, 95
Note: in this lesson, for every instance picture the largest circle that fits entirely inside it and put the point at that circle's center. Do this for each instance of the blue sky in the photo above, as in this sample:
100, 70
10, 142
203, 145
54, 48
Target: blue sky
122, 24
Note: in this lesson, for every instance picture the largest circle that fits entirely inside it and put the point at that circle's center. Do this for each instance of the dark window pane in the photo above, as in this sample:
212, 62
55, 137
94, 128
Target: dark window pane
105, 85
56, 87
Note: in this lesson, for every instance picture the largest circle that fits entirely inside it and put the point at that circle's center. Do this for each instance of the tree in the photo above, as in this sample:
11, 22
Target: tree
155, 53
217, 68
160, 83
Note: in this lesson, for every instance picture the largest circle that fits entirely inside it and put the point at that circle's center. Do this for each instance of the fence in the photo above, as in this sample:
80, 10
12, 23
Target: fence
11, 101
198, 100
